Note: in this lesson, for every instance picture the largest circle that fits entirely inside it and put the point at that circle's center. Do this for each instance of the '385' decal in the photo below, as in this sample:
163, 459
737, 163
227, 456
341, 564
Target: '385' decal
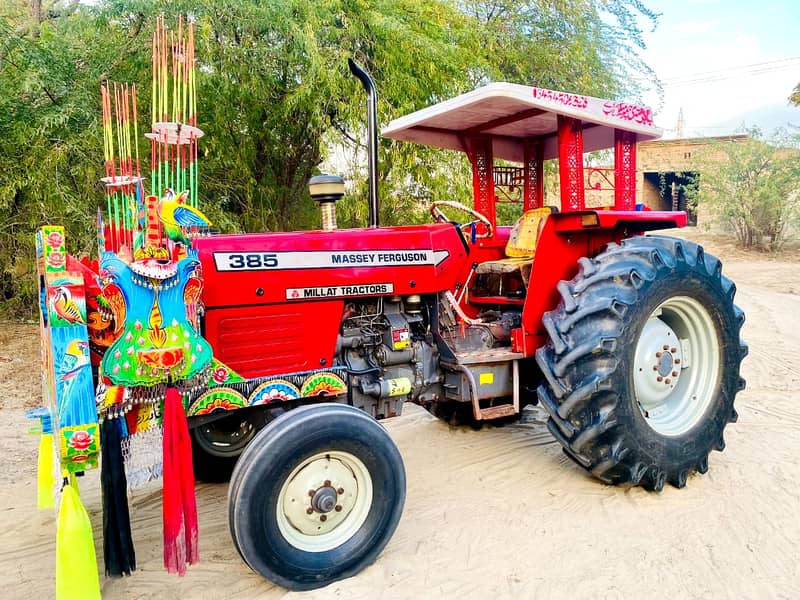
262, 261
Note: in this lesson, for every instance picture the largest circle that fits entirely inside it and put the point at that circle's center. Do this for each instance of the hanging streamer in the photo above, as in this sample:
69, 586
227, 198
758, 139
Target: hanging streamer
45, 480
76, 563
179, 505
118, 553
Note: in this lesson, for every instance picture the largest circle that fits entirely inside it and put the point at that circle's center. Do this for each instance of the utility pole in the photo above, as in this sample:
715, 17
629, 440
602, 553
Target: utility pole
681, 126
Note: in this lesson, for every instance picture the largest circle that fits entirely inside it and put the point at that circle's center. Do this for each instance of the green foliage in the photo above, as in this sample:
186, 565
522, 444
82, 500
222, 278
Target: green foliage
752, 186
795, 97
276, 98
584, 46
51, 154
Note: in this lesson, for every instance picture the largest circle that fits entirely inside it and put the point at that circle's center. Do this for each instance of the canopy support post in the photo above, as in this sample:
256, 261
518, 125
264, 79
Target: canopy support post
533, 191
482, 159
570, 163
624, 170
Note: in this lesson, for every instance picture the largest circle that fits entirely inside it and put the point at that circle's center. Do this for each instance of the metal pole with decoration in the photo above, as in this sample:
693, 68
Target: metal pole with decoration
121, 345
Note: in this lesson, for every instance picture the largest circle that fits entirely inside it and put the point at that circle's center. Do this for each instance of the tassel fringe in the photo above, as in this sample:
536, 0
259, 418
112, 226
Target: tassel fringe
76, 563
118, 552
179, 505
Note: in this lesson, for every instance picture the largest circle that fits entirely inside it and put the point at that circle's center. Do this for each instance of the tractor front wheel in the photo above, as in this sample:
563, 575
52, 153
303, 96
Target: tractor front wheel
643, 362
316, 496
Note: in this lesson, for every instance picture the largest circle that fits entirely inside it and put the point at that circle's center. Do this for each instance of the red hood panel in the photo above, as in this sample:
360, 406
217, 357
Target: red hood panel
266, 268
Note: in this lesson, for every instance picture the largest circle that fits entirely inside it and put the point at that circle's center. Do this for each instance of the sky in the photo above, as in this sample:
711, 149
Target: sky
724, 62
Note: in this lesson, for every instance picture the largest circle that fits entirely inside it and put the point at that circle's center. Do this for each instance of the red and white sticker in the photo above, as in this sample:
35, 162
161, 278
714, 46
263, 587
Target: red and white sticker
339, 291
327, 259
400, 339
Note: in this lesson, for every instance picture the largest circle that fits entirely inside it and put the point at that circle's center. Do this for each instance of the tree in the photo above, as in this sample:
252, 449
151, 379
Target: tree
275, 95
795, 97
51, 150
586, 46
752, 186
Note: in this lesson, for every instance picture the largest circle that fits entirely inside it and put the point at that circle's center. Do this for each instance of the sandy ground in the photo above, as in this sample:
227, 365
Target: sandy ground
499, 512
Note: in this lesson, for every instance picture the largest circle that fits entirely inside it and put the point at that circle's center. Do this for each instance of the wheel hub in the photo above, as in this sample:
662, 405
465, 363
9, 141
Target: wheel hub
324, 499
665, 364
657, 364
676, 365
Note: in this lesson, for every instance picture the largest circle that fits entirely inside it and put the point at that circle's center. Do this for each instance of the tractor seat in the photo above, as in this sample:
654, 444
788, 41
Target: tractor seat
508, 277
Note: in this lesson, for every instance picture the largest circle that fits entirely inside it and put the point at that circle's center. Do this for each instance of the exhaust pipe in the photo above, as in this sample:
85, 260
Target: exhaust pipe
372, 135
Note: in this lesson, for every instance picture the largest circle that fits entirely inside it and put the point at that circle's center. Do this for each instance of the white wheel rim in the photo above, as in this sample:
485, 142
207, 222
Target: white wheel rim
324, 501
676, 366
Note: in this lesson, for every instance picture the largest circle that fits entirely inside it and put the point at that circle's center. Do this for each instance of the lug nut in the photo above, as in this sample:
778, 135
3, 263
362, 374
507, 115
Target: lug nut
312, 492
665, 346
677, 361
309, 510
659, 378
655, 367
658, 354
340, 491
674, 373
327, 483
323, 518
668, 381
338, 508
673, 349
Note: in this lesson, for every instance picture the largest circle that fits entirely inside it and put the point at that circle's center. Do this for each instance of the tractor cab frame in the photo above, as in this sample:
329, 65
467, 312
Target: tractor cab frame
529, 125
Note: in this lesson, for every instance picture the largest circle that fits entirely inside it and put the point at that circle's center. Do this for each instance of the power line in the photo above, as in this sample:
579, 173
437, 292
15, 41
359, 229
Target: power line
736, 68
762, 68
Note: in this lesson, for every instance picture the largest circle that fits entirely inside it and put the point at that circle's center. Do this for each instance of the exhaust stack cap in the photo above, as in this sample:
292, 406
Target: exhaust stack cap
326, 189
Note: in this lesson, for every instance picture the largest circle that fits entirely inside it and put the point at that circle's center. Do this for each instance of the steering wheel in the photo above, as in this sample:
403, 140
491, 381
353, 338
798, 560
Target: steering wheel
466, 228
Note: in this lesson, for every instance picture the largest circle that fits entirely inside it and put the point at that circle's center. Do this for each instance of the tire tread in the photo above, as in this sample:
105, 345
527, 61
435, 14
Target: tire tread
580, 363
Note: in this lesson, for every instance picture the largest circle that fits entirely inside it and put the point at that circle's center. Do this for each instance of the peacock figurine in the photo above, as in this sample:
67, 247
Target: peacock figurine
178, 217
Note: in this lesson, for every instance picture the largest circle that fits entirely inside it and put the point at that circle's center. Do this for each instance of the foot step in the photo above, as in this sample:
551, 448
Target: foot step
497, 412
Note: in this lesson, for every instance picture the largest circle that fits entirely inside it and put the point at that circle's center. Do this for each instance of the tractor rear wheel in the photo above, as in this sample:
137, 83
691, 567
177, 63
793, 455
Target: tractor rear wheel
316, 496
642, 365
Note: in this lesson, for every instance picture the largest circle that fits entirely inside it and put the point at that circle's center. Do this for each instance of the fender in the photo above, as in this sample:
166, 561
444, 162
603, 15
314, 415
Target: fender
566, 237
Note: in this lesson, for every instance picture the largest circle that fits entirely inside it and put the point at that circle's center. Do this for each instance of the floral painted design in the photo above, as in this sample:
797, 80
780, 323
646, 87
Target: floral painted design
79, 447
277, 390
219, 375
323, 384
55, 239
217, 399
80, 440
56, 259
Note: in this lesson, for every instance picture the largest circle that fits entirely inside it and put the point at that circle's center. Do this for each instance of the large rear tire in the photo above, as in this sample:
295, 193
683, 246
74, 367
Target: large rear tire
316, 496
643, 362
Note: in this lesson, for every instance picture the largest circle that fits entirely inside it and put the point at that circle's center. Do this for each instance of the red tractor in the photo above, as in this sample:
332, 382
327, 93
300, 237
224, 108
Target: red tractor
629, 341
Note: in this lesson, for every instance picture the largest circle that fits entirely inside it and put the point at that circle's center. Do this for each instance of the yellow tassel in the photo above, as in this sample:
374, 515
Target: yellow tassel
76, 563
45, 479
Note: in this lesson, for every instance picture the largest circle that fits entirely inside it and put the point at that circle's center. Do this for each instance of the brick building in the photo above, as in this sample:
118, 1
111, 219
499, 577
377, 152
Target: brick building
664, 169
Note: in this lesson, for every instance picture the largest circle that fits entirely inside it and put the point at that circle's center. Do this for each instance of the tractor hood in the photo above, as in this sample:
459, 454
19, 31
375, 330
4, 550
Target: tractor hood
271, 268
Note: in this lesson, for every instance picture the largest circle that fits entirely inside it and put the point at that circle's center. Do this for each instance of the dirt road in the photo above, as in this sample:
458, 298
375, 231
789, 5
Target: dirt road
499, 513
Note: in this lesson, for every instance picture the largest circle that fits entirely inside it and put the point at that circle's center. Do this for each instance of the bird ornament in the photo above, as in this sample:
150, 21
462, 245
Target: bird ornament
178, 218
